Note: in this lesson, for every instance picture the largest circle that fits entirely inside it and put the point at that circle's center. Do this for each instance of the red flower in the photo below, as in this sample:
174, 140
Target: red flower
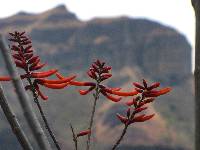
83, 133
25, 59
147, 95
148, 91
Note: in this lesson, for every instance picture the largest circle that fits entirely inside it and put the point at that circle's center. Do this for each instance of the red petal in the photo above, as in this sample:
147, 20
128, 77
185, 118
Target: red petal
37, 67
153, 86
44, 97
128, 112
28, 56
59, 75
137, 110
35, 63
84, 92
144, 83
5, 78
105, 76
56, 86
138, 85
131, 102
33, 59
142, 118
43, 74
122, 118
20, 64
157, 93
85, 132
66, 79
77, 83
114, 99
119, 93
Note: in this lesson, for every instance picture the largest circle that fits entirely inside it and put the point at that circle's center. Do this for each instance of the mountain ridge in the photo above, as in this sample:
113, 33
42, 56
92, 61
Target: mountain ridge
135, 48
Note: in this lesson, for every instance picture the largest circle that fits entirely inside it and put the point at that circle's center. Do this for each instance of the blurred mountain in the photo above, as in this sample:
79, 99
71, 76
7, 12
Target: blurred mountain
136, 49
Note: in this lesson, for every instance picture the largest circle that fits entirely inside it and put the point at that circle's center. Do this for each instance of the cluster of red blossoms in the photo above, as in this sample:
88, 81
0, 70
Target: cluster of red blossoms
25, 59
146, 94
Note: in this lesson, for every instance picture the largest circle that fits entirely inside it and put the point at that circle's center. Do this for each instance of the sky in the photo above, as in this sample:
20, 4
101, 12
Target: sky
178, 14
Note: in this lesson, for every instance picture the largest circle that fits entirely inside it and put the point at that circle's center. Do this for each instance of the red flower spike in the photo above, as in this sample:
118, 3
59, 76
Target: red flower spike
138, 85
153, 86
56, 86
84, 92
140, 109
83, 133
109, 97
122, 118
43, 74
5, 78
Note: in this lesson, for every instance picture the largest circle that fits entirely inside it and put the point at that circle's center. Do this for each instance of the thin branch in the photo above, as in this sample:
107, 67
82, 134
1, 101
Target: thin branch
196, 5
11, 117
74, 137
96, 97
47, 126
121, 137
26, 106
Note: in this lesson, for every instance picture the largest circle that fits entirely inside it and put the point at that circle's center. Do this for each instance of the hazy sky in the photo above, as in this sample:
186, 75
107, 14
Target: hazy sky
175, 13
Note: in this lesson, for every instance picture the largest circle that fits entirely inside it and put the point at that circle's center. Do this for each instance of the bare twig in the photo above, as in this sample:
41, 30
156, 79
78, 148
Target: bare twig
121, 137
11, 117
29, 114
96, 97
74, 137
43, 115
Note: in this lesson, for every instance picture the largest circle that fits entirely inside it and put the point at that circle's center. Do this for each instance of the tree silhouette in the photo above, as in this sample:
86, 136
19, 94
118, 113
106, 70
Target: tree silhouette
196, 6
